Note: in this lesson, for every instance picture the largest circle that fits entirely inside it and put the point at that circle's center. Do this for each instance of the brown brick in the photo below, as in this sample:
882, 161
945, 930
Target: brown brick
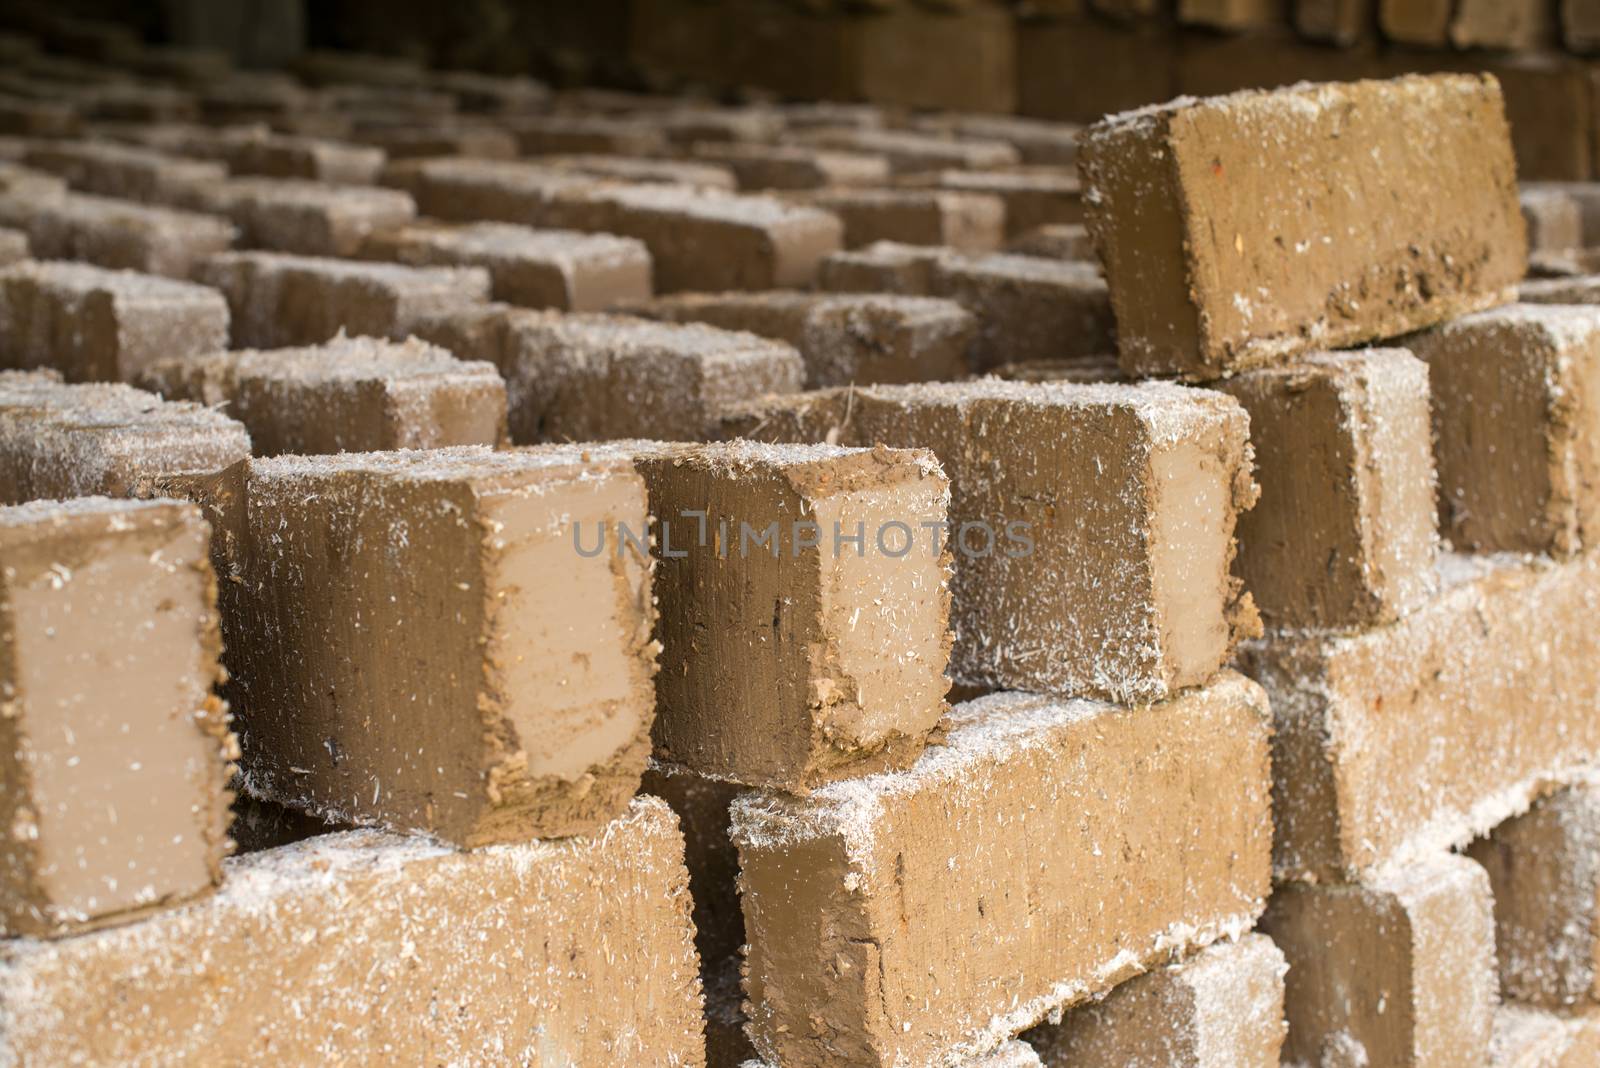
1064, 241
13, 246
97, 325
1513, 25
307, 218
22, 117
1340, 22
1232, 15
539, 135
60, 441
704, 175
506, 716
279, 300
1211, 273
845, 338
970, 221
1416, 22
1038, 142
881, 267
1029, 308
117, 234
759, 167
1012, 1054
1357, 785
1344, 534
412, 142
1517, 442
275, 155
489, 93
470, 190
349, 395
1033, 197
1553, 219
1579, 289
1550, 105
313, 951
533, 268
1221, 1008
909, 152
1214, 64
598, 377
1029, 923
1580, 24
851, 679
1526, 1037
124, 171
19, 181
1544, 870
1092, 525
116, 754
1083, 369
1398, 971
1082, 70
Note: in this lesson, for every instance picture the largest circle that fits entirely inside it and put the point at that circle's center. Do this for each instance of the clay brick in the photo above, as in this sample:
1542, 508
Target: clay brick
861, 338
1029, 308
470, 190
13, 246
1358, 785
1516, 439
1512, 25
274, 155
598, 377
60, 441
1034, 196
881, 267
116, 754
117, 234
1232, 15
22, 117
1553, 219
412, 142
852, 680
1544, 869
1031, 924
909, 152
1074, 511
1065, 241
533, 268
1084, 369
1013, 1054
1537, 1038
1417, 22
97, 325
507, 717
1215, 267
1221, 1008
1579, 289
1399, 971
307, 218
1340, 22
279, 300
1580, 25
1550, 105
124, 171
540, 135
1344, 534
1081, 70
645, 169
26, 182
312, 952
759, 167
488, 93
349, 395
1038, 142
971, 221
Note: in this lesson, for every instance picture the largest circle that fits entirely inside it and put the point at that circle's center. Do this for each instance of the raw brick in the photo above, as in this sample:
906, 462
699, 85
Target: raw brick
1038, 142
645, 169
1516, 422
1537, 1038
1092, 525
1358, 785
970, 221
578, 950
881, 267
1580, 24
845, 338
701, 239
489, 94
1417, 22
1544, 869
279, 300
307, 218
1029, 308
1032, 923
1553, 219
13, 246
115, 751
851, 679
534, 268
1513, 25
909, 152
411, 141
22, 117
1221, 1008
1216, 265
1065, 241
97, 325
1034, 196
275, 155
1582, 289
596, 377
757, 167
1232, 14
1084, 369
19, 181
470, 190
540, 135
117, 234
1344, 534
1399, 971
59, 441
519, 707
692, 124
1341, 22
1013, 1054
114, 170
349, 395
